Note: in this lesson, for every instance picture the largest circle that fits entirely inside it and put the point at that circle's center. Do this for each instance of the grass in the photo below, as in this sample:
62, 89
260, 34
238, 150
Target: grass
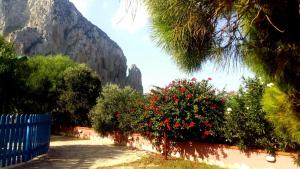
158, 162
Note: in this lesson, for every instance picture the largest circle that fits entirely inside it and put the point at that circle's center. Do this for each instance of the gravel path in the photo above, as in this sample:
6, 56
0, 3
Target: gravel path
71, 153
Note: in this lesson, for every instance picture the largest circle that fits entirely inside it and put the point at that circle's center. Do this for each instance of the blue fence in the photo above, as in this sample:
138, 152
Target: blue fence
23, 137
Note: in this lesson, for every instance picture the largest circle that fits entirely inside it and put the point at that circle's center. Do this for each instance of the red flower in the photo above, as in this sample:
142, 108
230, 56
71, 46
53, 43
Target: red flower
194, 79
146, 108
167, 120
168, 126
192, 124
189, 96
152, 106
206, 133
176, 124
175, 97
206, 123
156, 110
209, 78
182, 89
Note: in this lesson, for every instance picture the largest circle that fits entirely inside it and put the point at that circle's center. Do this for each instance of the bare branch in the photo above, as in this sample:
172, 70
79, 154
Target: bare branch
273, 24
256, 16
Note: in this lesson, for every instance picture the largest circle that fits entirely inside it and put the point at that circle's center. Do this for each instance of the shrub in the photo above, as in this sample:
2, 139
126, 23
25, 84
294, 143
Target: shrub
246, 123
184, 110
117, 109
78, 94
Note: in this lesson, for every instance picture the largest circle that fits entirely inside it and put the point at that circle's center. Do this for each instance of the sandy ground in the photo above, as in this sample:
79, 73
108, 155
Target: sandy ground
72, 153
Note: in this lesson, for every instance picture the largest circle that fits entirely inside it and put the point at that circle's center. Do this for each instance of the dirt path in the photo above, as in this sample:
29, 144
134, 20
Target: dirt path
70, 153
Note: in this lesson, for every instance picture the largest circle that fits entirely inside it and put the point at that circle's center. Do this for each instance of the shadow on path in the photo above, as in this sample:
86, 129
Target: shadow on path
70, 153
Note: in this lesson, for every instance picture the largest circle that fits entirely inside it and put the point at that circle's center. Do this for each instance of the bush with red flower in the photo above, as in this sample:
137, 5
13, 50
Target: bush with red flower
184, 110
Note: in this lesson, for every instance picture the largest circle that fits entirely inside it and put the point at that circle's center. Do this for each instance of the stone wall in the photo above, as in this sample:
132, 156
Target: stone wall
215, 154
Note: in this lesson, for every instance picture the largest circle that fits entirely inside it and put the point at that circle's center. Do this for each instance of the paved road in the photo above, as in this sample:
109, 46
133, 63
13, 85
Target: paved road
70, 153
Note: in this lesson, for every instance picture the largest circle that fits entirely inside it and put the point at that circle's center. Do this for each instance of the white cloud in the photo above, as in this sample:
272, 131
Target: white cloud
131, 15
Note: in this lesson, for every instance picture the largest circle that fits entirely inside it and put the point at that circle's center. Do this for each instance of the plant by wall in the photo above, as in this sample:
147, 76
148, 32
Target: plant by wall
117, 109
184, 110
246, 122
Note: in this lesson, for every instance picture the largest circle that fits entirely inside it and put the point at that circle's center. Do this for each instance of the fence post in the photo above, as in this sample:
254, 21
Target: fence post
2, 139
24, 133
28, 139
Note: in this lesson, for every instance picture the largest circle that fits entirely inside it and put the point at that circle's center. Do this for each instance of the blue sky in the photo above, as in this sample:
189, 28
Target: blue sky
134, 37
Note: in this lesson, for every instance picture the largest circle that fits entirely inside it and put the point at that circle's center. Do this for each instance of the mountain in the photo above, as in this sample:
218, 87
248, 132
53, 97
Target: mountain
48, 27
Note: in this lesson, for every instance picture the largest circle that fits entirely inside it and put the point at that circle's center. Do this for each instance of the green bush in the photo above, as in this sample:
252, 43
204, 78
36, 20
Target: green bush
78, 94
246, 123
44, 82
117, 109
184, 110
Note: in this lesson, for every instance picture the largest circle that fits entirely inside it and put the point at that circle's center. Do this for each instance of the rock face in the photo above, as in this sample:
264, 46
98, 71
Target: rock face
48, 27
134, 78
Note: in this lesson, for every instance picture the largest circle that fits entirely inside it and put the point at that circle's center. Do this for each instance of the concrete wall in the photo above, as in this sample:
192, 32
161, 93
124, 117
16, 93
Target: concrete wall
217, 154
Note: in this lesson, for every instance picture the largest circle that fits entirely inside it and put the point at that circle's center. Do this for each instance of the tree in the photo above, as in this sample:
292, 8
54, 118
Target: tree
11, 77
78, 94
117, 109
44, 81
264, 34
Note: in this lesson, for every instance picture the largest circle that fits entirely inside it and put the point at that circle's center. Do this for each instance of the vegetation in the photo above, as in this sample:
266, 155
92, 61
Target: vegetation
117, 109
184, 110
42, 84
78, 94
155, 162
246, 123
263, 34
11, 78
279, 112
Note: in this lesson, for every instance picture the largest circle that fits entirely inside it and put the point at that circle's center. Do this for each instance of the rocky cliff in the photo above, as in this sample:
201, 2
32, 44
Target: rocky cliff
134, 78
50, 27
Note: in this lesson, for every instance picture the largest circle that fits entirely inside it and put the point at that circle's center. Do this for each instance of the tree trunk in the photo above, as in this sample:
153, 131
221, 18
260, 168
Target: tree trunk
165, 145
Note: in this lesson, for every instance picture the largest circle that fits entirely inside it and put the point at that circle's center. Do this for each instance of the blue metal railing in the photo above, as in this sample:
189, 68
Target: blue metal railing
23, 137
